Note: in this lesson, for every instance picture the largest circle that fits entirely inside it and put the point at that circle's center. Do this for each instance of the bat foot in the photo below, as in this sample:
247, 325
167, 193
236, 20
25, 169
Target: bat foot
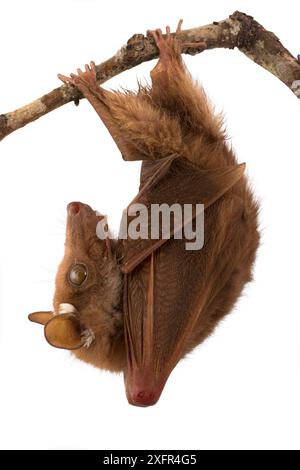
171, 44
166, 44
83, 80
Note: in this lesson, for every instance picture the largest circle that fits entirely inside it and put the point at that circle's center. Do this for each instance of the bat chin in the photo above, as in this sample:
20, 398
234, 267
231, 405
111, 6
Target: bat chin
143, 388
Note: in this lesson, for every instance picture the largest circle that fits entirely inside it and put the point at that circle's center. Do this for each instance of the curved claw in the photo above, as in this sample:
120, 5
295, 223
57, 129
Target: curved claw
160, 40
65, 79
89, 73
157, 35
178, 29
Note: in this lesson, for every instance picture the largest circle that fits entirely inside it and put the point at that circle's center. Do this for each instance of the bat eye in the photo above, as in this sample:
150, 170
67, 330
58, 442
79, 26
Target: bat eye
78, 274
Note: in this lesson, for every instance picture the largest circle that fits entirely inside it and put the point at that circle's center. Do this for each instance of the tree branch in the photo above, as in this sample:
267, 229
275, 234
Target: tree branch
239, 30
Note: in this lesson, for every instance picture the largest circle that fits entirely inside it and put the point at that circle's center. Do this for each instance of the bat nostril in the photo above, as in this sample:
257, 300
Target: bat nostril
73, 208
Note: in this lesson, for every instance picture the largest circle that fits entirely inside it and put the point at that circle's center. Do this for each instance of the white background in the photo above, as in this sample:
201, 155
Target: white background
241, 388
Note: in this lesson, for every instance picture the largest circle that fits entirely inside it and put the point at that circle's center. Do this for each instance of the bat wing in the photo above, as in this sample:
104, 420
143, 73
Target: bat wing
163, 290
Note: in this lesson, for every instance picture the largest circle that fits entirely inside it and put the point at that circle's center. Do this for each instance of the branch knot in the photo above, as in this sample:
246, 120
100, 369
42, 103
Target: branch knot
137, 46
249, 30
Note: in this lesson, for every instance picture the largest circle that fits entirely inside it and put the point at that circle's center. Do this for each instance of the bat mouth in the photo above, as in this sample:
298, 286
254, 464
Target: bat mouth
143, 388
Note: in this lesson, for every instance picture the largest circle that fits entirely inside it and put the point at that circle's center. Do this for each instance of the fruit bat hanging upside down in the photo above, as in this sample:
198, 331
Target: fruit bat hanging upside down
139, 305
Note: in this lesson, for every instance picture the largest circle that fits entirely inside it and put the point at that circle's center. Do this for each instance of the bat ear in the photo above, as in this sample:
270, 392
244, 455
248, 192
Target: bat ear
64, 331
40, 317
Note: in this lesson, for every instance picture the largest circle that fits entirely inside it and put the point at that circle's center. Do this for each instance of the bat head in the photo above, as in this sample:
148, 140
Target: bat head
88, 276
87, 289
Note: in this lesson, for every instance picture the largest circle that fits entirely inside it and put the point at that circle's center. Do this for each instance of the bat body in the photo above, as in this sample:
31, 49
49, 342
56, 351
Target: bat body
140, 305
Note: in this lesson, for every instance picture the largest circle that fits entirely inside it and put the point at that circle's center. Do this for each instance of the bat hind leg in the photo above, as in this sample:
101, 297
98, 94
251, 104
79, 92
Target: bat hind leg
170, 47
85, 81
169, 50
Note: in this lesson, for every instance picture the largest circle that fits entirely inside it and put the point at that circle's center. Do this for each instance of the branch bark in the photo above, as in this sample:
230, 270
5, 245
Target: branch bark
239, 30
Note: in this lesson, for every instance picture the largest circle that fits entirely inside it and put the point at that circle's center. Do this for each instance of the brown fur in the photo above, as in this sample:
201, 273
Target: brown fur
173, 118
98, 300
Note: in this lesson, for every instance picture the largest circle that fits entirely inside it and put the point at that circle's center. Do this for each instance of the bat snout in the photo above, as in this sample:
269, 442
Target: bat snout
73, 208
79, 208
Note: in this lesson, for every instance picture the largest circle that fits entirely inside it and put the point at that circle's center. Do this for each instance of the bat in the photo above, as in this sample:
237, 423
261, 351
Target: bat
139, 305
